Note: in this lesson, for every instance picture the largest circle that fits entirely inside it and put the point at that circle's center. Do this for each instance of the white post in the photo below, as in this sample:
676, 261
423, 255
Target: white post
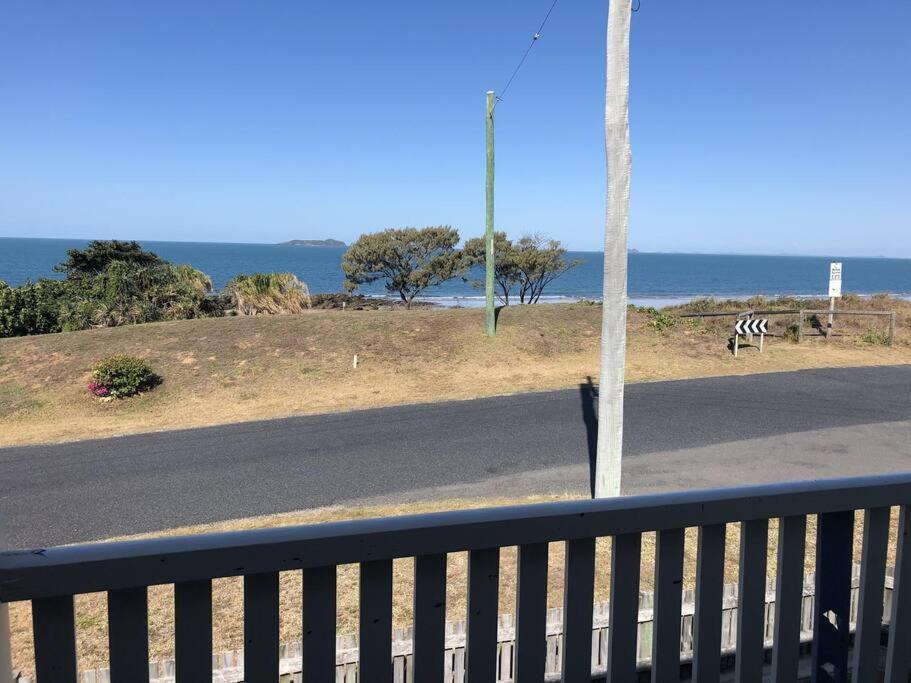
736, 343
831, 317
761, 340
6, 653
616, 223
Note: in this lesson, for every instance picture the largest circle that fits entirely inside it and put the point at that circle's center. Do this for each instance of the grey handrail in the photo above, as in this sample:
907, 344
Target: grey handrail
68, 570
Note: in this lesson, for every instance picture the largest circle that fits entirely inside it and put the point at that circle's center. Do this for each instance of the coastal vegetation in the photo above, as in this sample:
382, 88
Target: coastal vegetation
107, 284
231, 369
268, 293
113, 283
121, 376
408, 260
525, 266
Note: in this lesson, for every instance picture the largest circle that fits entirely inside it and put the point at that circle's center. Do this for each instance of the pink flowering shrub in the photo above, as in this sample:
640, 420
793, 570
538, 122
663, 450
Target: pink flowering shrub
99, 390
121, 376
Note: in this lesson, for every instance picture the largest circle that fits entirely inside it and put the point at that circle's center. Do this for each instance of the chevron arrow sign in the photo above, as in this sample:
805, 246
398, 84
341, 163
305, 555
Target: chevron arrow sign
756, 326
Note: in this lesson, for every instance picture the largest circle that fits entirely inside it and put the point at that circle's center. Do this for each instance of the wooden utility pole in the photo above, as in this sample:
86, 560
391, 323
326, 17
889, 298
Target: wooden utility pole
613, 314
489, 259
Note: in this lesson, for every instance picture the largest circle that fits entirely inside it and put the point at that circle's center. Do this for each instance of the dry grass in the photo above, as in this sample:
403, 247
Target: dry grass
228, 595
246, 368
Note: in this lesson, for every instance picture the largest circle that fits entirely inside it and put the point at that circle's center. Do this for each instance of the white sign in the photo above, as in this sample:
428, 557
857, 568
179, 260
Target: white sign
835, 280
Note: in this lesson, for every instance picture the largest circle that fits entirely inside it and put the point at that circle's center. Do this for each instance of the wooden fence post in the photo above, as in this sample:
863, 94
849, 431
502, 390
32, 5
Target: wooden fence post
800, 328
892, 329
6, 655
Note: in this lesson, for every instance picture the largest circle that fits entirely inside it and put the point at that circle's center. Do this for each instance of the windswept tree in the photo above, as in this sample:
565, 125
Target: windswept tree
100, 253
505, 274
409, 260
527, 266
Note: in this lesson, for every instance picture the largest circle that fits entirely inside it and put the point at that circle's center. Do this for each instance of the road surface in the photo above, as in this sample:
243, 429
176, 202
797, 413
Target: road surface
685, 434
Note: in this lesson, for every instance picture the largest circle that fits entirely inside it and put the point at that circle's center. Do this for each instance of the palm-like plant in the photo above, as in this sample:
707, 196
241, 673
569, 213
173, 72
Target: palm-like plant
613, 322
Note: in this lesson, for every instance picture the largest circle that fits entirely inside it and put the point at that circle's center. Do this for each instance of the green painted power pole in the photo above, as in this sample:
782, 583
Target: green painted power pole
488, 237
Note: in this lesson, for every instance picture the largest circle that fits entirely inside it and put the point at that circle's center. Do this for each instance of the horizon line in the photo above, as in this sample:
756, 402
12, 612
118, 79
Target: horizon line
631, 250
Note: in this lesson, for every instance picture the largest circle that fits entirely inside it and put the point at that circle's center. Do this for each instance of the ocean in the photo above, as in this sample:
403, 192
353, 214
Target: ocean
655, 279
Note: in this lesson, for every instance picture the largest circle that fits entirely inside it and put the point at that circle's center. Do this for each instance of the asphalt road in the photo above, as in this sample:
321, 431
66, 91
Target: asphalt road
694, 433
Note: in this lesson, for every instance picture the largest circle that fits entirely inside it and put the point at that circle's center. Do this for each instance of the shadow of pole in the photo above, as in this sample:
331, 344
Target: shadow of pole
588, 395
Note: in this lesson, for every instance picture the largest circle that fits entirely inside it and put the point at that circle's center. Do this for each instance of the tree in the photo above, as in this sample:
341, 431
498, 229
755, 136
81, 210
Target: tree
505, 273
528, 265
613, 317
409, 259
95, 258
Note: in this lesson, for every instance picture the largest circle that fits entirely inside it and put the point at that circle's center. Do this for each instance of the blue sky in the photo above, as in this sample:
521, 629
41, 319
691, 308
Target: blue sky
757, 127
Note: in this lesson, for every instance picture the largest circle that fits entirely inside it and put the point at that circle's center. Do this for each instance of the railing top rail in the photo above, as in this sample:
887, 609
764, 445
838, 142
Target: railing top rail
826, 311
29, 574
713, 314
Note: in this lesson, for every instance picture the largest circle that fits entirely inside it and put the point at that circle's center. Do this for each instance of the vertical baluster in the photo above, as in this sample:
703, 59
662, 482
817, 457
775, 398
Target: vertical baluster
626, 550
319, 625
792, 540
531, 613
429, 618
375, 629
870, 600
709, 591
54, 627
898, 657
128, 635
261, 624
578, 601
193, 631
754, 548
481, 637
834, 554
6, 655
668, 596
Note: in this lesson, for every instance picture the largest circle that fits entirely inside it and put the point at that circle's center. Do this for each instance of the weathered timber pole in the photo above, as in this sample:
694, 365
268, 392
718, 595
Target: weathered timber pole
616, 222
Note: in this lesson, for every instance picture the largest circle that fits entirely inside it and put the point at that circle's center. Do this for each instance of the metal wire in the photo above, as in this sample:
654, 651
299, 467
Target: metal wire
534, 39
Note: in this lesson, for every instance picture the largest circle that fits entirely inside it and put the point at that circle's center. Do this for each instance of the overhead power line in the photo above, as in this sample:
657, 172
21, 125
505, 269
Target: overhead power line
534, 39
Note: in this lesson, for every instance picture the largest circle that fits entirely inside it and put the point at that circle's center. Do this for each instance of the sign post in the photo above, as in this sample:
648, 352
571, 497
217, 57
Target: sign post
750, 327
834, 293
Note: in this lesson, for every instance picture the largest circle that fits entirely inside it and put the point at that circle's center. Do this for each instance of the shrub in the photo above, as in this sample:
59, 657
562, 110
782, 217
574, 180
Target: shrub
121, 376
874, 336
272, 293
33, 308
664, 321
792, 331
125, 293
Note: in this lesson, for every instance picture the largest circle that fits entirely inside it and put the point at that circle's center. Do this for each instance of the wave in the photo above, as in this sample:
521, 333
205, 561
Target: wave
646, 300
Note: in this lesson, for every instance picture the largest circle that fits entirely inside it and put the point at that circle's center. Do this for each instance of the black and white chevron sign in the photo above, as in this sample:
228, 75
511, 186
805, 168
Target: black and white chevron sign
756, 326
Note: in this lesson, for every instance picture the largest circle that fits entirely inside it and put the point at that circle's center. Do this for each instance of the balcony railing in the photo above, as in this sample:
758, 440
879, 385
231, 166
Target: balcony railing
50, 578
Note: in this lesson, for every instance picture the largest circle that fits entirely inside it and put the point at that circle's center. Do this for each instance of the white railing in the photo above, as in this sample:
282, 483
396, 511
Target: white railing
49, 578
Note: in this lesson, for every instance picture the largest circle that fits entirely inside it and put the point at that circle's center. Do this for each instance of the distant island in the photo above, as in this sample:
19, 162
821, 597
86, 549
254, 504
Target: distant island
312, 243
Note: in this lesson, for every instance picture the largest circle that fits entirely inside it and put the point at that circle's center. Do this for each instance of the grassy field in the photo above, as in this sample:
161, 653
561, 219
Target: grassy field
91, 610
222, 370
